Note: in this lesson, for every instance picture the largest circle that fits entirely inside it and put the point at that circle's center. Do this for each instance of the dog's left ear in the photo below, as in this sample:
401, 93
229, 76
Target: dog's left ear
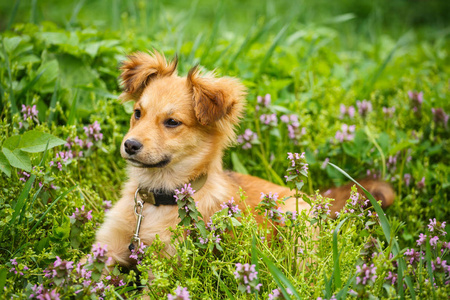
216, 98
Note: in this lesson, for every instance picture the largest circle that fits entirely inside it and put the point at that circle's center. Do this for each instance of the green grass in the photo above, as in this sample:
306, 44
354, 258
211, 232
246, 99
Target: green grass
311, 58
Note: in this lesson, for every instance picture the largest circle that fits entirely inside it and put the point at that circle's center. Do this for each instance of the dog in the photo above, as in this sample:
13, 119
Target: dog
179, 130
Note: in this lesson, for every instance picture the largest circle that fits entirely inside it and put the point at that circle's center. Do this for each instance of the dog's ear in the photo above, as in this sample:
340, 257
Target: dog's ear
216, 98
139, 69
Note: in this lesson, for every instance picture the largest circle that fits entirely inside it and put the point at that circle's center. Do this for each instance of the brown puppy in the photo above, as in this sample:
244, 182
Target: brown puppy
178, 132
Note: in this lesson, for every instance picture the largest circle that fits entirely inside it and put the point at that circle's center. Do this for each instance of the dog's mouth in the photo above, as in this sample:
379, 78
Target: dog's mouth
139, 164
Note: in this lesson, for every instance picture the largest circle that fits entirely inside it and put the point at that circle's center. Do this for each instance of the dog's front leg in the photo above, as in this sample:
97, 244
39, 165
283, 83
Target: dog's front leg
116, 232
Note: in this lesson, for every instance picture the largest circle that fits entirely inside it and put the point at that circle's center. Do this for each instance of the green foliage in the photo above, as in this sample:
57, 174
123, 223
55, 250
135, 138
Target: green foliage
58, 75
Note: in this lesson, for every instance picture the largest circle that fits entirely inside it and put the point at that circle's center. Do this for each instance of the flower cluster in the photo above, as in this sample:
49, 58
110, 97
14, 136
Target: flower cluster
185, 192
347, 133
181, 293
29, 114
137, 253
298, 166
99, 251
232, 208
364, 107
293, 127
187, 207
247, 139
107, 204
16, 269
269, 207
350, 111
416, 100
321, 207
41, 293
388, 111
59, 271
247, 277
81, 215
263, 102
93, 131
440, 117
435, 228
277, 295
366, 274
269, 119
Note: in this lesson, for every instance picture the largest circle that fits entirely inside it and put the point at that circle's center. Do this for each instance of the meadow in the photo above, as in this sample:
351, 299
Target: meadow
362, 88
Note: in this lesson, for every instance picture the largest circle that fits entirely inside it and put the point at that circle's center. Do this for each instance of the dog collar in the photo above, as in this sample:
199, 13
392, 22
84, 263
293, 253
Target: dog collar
158, 197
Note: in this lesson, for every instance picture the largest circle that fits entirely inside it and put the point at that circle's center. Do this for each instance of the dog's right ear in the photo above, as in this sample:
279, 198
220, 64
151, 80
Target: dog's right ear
139, 69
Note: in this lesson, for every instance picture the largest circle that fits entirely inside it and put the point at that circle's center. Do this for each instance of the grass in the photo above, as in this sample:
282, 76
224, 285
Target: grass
311, 58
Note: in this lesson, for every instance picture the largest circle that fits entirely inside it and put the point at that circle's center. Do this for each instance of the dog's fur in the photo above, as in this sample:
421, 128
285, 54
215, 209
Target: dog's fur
208, 108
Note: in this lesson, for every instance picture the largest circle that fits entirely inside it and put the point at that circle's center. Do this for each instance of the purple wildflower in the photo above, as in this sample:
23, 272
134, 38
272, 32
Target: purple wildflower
81, 215
107, 204
347, 133
366, 274
181, 293
325, 163
434, 240
93, 131
277, 295
421, 184
412, 256
233, 208
416, 100
270, 120
321, 207
422, 239
407, 179
247, 139
29, 113
40, 293
388, 112
440, 117
60, 269
247, 277
138, 253
364, 107
99, 254
350, 111
264, 102
184, 192
437, 227
392, 277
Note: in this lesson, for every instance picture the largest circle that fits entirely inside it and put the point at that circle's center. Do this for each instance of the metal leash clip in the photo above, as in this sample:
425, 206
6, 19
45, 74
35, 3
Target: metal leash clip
138, 208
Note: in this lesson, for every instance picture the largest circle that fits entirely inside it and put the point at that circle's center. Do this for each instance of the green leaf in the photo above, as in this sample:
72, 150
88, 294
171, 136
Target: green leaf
18, 159
62, 232
337, 269
12, 142
21, 199
237, 164
3, 273
279, 277
201, 227
235, 222
5, 166
36, 141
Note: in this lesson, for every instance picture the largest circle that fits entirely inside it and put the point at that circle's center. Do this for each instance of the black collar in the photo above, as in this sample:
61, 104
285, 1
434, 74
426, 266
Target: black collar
158, 197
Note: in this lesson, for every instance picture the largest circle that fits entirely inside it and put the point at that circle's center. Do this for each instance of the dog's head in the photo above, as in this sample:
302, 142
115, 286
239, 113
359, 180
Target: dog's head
179, 123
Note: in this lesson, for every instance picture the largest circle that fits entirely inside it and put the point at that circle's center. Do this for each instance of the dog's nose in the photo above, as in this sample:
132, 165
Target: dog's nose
132, 147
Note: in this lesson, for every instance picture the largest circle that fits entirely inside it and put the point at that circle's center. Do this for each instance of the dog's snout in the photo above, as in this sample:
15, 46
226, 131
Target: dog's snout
132, 147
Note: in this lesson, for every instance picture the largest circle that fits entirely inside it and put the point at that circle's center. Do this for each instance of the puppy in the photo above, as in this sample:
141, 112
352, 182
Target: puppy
178, 132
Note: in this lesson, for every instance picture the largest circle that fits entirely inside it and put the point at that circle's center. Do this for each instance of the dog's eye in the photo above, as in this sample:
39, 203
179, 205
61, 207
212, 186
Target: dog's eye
137, 114
171, 123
